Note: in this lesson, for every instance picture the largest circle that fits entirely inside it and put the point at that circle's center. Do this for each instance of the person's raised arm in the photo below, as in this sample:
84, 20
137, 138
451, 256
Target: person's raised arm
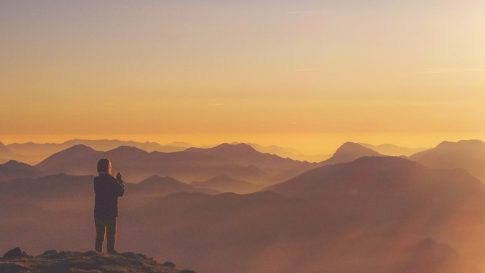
121, 185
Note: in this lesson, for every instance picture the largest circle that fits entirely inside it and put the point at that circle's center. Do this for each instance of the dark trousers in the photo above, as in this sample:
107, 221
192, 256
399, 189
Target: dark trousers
108, 227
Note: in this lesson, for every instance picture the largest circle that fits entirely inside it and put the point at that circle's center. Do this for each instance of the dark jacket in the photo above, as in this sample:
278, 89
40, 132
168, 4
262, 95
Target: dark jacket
107, 190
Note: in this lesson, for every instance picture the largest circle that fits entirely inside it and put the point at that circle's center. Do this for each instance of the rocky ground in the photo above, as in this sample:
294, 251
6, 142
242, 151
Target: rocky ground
52, 261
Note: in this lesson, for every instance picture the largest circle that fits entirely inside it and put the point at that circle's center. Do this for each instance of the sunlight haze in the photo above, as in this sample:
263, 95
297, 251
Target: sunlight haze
304, 74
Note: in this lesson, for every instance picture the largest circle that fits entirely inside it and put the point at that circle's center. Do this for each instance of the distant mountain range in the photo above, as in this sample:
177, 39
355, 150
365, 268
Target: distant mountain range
357, 212
239, 161
371, 215
239, 165
242, 161
35, 152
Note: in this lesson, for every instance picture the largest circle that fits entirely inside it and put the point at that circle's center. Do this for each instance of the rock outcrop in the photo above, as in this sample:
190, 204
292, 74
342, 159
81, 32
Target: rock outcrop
52, 261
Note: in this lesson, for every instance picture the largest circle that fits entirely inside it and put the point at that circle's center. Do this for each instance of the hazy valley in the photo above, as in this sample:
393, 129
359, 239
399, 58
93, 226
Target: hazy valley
359, 211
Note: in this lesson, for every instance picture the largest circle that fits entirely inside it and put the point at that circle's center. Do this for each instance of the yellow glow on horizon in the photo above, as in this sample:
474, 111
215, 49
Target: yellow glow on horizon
312, 145
306, 75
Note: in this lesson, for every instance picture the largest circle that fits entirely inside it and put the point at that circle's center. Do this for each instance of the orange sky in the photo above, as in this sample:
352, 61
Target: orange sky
308, 75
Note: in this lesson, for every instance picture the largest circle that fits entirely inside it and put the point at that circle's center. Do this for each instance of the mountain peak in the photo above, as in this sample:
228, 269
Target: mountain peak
71, 155
14, 169
239, 147
79, 148
227, 148
14, 163
127, 149
350, 146
350, 151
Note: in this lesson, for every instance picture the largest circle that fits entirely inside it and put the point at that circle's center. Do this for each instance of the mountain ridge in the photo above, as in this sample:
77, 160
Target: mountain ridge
465, 154
374, 169
13, 169
239, 161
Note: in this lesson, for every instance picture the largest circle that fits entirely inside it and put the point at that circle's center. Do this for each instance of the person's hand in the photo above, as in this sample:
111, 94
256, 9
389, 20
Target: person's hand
118, 177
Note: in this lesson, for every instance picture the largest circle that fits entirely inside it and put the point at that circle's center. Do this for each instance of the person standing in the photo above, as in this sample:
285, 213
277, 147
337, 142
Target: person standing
107, 189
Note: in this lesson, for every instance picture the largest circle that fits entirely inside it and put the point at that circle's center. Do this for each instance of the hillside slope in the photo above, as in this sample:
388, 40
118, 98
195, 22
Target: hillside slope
14, 170
464, 154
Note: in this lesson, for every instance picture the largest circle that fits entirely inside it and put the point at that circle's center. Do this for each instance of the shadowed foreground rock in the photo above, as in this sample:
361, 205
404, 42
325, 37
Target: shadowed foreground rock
53, 261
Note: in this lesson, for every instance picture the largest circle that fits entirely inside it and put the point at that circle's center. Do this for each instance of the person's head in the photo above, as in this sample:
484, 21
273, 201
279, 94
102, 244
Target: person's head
104, 166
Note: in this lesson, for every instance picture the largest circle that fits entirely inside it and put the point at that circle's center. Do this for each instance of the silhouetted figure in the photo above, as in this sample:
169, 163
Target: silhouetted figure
107, 190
